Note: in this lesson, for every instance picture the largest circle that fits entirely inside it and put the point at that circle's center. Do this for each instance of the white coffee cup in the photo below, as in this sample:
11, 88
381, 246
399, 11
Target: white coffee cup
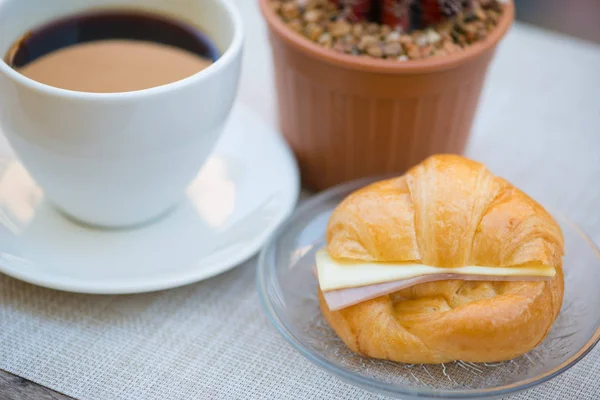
119, 159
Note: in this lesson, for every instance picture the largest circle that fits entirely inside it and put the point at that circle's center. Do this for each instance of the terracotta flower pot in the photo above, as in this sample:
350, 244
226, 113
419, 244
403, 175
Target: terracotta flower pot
348, 117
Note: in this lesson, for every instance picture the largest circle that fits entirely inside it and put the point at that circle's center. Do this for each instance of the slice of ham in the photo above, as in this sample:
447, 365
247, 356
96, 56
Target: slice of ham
342, 298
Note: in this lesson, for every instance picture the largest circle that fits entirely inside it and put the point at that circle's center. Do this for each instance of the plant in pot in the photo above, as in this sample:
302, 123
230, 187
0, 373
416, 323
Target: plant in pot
370, 87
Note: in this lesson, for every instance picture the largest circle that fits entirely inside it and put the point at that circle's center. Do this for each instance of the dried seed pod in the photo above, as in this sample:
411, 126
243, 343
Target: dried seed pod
296, 25
405, 40
326, 40
314, 15
349, 39
313, 31
330, 6
393, 37
290, 11
275, 5
479, 13
385, 30
372, 28
432, 36
375, 50
421, 40
459, 38
392, 49
313, 4
366, 41
426, 51
358, 30
450, 47
493, 16
340, 28
412, 51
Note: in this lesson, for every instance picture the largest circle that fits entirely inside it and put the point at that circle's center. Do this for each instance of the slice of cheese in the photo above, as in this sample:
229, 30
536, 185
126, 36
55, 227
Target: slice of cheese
341, 274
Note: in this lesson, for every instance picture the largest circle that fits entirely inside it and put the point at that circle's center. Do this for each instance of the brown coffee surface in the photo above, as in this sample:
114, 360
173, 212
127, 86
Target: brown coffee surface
117, 65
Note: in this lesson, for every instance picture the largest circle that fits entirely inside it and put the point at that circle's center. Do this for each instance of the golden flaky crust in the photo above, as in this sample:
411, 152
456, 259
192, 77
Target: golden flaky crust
450, 212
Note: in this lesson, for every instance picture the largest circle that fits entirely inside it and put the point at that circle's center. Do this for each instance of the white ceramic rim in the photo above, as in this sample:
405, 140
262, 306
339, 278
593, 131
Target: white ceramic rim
228, 56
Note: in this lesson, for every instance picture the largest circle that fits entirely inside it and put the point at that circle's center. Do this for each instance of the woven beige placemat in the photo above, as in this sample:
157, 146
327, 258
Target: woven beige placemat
212, 341
205, 341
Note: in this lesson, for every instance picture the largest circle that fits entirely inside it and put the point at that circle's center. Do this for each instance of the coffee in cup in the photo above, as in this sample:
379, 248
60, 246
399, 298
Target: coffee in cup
112, 51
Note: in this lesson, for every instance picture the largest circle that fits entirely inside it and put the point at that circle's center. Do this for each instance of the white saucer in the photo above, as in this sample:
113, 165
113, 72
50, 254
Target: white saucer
246, 189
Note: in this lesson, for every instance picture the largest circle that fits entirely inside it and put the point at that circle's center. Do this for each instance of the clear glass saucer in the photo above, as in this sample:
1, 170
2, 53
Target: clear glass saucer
288, 291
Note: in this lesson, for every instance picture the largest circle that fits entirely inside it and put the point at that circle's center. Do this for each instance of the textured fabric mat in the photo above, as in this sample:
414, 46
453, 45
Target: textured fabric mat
209, 340
212, 341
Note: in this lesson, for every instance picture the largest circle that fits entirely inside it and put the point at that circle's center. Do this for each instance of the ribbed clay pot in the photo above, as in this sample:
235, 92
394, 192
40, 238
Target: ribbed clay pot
348, 117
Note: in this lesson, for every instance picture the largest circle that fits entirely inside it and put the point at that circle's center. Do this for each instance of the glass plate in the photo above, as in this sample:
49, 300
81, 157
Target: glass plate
288, 292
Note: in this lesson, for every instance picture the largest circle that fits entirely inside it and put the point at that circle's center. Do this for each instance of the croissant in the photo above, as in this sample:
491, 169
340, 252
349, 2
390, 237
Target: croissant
448, 212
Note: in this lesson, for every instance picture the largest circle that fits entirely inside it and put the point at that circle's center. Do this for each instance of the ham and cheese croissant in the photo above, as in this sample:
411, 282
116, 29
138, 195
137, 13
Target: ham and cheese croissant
447, 262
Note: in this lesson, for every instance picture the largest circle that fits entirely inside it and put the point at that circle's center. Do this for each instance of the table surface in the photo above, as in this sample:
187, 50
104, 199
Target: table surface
537, 126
